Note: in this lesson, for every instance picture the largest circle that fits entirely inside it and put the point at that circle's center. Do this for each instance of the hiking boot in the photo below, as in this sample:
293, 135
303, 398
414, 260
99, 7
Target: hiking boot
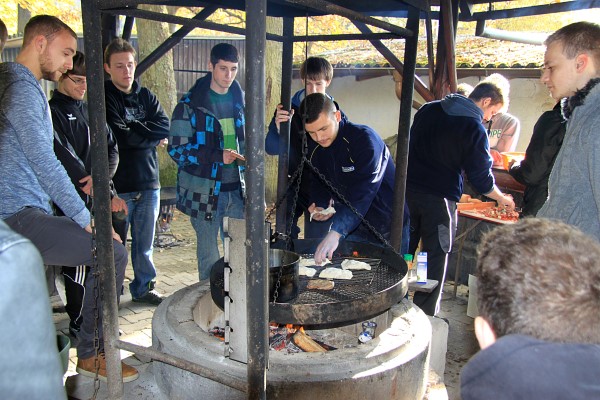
151, 297
87, 367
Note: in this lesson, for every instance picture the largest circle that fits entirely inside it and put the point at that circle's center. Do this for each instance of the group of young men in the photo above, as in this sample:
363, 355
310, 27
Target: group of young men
46, 170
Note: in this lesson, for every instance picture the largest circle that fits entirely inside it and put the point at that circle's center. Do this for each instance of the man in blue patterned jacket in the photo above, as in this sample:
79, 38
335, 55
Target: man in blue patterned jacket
207, 143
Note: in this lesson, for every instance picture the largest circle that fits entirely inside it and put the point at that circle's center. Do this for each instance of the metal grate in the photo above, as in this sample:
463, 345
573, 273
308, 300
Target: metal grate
363, 283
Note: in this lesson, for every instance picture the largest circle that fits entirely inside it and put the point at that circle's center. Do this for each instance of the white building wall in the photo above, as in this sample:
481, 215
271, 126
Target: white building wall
373, 102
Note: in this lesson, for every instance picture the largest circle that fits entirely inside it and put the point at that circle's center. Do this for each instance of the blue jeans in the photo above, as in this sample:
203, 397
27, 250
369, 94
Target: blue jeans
143, 212
230, 204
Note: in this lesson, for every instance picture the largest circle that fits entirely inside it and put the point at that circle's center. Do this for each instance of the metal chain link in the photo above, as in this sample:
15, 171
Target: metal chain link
95, 272
349, 205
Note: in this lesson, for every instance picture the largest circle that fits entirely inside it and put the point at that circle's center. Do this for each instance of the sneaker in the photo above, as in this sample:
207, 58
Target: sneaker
87, 367
151, 297
74, 329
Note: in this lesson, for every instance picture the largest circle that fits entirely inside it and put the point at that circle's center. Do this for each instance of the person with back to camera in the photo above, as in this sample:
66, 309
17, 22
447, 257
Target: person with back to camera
316, 74
572, 70
538, 325
447, 137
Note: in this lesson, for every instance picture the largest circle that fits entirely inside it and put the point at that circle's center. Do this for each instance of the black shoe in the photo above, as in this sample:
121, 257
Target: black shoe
151, 297
74, 328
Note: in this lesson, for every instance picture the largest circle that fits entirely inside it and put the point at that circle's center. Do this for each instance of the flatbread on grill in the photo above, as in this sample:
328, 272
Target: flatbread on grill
305, 262
335, 273
307, 271
355, 265
320, 284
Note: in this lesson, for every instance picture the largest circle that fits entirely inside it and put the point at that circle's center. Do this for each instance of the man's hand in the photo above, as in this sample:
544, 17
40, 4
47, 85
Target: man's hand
163, 143
320, 214
118, 204
115, 235
87, 187
506, 201
230, 156
327, 246
497, 158
282, 115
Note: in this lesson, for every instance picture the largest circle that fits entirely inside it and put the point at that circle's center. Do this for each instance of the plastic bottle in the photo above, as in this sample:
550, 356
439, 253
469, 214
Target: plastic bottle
422, 267
412, 272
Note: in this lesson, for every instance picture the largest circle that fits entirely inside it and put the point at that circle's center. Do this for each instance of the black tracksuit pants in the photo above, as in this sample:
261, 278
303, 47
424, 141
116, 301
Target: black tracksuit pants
433, 222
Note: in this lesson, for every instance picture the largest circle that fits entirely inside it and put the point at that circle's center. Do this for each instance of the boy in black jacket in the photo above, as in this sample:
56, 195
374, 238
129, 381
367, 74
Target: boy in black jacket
140, 125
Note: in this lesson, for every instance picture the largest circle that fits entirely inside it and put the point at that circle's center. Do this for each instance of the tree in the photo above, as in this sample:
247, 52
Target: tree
160, 79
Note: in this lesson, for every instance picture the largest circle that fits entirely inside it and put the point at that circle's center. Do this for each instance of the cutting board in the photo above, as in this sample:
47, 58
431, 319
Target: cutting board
477, 215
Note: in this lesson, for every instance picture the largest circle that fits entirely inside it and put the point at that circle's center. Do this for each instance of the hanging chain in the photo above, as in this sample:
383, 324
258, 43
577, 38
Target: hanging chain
296, 180
95, 272
350, 206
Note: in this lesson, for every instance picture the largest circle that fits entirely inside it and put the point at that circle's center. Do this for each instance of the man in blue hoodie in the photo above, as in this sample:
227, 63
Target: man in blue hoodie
538, 324
447, 137
354, 159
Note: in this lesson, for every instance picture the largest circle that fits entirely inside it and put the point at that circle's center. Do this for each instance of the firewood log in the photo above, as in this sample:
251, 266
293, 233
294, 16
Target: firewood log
304, 341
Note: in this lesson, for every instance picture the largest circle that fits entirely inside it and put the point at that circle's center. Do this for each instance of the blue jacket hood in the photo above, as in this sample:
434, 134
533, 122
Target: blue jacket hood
459, 105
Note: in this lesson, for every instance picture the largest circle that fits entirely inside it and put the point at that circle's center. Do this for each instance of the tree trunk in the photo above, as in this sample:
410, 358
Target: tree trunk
272, 98
160, 79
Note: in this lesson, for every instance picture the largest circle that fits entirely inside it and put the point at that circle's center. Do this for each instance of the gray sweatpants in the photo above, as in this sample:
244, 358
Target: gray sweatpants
61, 241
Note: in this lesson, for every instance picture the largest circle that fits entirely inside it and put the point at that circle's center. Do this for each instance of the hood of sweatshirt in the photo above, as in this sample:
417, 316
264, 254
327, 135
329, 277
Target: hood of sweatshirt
459, 105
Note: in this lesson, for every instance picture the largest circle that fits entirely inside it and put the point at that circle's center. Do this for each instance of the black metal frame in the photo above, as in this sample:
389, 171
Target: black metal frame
98, 16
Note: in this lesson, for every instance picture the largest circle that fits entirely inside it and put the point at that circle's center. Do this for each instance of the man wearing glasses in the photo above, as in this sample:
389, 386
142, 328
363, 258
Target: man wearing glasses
72, 148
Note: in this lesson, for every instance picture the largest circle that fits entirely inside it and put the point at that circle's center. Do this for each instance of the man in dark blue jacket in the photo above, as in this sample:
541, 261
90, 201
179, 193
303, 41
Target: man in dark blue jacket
359, 165
447, 138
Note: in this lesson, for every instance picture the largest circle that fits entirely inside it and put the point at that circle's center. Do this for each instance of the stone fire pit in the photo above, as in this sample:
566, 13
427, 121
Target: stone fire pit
392, 366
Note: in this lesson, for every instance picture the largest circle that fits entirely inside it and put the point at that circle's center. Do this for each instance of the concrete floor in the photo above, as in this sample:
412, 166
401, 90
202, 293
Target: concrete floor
176, 264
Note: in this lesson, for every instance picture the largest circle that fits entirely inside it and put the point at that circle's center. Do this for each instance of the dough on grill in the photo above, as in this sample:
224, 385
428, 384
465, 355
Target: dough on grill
306, 271
305, 262
336, 273
355, 265
320, 284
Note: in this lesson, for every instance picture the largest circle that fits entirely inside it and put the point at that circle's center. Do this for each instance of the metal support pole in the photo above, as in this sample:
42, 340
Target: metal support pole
256, 241
208, 372
103, 218
284, 133
408, 80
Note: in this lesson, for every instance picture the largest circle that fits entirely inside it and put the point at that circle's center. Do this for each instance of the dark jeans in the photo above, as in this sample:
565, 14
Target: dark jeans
61, 241
433, 221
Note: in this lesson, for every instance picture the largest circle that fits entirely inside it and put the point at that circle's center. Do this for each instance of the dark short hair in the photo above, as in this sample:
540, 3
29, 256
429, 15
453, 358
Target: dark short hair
118, 45
78, 64
3, 35
313, 105
225, 52
541, 278
577, 38
485, 89
45, 25
316, 68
